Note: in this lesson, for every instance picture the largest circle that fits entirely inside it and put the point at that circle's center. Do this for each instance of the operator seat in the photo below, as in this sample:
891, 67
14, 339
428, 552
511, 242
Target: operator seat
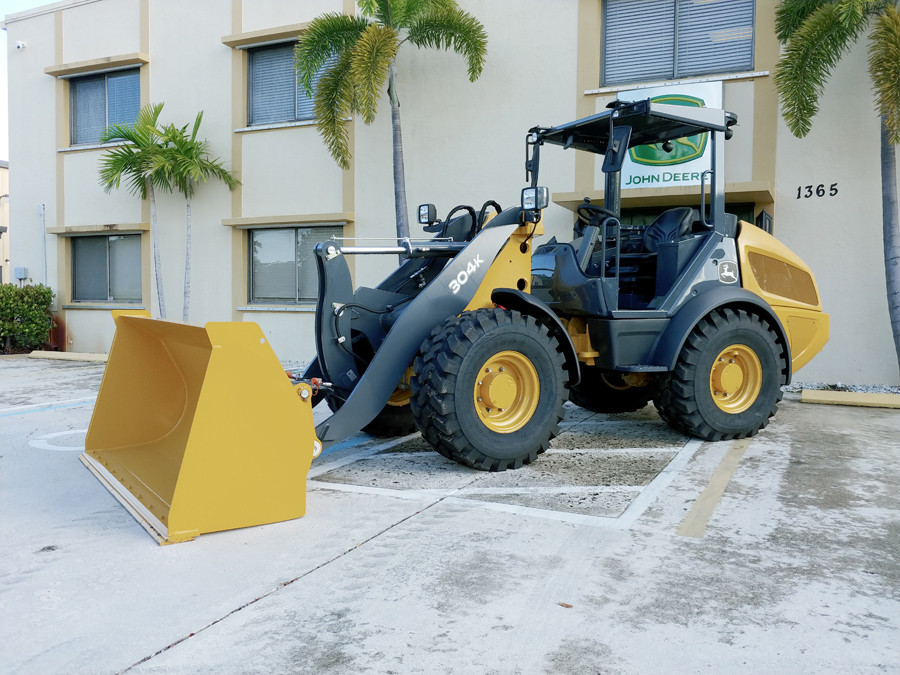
670, 226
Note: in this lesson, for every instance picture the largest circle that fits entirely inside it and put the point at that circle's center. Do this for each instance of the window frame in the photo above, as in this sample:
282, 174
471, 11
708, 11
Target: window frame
673, 72
300, 299
74, 141
107, 271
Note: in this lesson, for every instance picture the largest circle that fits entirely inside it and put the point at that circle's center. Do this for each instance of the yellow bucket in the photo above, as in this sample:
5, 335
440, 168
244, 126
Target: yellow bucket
198, 429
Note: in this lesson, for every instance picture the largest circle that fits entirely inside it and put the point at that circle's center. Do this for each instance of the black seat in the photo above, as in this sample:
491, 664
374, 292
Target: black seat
668, 227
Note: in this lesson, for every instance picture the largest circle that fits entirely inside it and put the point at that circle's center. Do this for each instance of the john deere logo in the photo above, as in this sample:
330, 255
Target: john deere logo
683, 149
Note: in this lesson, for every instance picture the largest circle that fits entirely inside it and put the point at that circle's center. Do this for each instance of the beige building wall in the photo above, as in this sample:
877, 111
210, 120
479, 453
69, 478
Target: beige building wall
464, 143
840, 235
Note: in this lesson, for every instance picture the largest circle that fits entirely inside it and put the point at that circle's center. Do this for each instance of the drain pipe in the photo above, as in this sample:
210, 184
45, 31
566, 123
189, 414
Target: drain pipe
44, 243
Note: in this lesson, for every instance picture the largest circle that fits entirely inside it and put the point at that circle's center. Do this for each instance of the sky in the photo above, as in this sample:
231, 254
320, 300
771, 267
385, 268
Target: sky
9, 7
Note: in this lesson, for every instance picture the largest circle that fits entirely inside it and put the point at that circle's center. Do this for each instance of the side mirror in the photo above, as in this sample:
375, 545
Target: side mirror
427, 214
535, 198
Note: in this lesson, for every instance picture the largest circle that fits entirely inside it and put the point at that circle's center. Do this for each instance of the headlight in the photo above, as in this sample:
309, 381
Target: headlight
535, 198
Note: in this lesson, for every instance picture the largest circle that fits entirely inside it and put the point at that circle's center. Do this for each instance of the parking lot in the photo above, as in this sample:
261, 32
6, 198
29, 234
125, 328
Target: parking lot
626, 548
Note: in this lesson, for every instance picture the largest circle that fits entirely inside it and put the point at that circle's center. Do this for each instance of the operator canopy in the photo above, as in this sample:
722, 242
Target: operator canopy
649, 122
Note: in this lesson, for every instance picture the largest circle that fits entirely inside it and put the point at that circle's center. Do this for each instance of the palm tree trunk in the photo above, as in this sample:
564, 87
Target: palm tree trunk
157, 267
187, 261
891, 231
400, 208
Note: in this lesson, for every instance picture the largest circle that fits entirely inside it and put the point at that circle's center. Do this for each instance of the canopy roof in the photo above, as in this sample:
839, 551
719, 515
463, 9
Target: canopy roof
650, 123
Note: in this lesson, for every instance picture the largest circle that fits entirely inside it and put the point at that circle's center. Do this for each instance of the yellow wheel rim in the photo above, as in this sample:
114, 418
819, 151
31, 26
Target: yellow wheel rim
506, 392
402, 394
735, 379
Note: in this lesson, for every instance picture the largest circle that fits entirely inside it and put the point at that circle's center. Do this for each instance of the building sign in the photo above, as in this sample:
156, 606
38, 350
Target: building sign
652, 165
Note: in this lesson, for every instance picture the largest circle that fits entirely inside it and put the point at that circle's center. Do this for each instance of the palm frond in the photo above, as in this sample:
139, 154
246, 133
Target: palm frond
854, 10
122, 162
791, 14
384, 11
367, 7
884, 68
327, 36
135, 161
811, 54
452, 28
370, 60
415, 9
335, 101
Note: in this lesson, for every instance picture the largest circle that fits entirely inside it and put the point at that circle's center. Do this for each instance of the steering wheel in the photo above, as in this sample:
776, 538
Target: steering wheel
588, 212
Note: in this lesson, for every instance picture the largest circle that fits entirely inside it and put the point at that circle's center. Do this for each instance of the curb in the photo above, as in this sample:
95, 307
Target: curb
68, 356
850, 398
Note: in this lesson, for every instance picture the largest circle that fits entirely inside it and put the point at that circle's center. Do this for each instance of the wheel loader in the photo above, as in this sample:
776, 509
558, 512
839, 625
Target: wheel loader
477, 339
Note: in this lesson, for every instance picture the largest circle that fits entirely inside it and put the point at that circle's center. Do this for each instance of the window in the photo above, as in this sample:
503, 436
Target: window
106, 268
101, 100
274, 93
283, 266
646, 40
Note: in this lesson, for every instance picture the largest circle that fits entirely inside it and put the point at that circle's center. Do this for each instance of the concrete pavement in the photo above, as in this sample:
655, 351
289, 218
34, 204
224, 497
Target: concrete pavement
627, 548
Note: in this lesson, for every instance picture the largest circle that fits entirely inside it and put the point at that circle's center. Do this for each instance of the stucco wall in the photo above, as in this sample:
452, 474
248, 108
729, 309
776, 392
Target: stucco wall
840, 236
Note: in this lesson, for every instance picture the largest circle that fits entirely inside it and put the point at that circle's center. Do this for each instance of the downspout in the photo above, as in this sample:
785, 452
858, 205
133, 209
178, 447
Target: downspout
43, 244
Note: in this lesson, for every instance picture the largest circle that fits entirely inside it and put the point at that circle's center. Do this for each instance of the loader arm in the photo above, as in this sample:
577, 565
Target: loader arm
447, 295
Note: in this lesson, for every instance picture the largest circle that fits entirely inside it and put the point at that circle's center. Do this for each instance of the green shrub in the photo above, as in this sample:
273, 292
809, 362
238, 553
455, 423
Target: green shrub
25, 320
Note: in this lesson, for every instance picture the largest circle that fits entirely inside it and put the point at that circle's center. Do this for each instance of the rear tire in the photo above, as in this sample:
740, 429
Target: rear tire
489, 389
603, 391
728, 378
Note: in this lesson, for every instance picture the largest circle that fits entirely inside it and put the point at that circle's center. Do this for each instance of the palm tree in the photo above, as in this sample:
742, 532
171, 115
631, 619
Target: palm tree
137, 161
816, 34
358, 55
185, 160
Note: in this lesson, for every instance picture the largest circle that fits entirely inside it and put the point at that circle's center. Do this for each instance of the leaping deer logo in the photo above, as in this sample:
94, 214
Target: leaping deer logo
728, 272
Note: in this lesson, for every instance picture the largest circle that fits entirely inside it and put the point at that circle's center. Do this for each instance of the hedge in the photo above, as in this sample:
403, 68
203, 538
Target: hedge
25, 320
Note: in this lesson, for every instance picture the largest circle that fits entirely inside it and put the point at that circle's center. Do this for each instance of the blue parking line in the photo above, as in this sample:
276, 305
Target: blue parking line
59, 406
344, 445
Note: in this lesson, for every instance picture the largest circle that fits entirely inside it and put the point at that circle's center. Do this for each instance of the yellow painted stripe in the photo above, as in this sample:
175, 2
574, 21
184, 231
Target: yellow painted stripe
694, 523
850, 398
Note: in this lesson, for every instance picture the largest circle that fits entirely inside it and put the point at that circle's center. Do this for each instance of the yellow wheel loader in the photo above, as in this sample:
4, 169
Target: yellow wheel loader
477, 339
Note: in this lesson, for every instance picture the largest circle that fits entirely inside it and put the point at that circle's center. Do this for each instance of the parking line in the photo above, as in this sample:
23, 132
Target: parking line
44, 407
695, 522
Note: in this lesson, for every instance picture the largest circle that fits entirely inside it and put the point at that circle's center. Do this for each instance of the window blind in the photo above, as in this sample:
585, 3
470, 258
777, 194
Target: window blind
89, 269
100, 100
639, 40
272, 84
715, 36
646, 40
124, 97
273, 276
125, 268
275, 95
282, 263
307, 275
88, 109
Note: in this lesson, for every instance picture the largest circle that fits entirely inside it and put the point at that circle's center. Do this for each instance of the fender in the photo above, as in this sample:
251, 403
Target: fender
512, 298
670, 343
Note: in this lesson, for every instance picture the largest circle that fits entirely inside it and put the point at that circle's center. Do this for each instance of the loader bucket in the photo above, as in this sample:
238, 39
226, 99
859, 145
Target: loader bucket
198, 429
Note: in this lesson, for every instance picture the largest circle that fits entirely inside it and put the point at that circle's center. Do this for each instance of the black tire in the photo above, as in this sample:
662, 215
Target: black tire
738, 356
603, 391
489, 388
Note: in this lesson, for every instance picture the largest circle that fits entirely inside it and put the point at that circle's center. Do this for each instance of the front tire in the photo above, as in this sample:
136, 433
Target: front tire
728, 378
489, 389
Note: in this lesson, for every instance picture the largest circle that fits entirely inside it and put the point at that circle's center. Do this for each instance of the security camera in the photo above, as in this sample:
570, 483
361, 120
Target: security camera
20, 45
